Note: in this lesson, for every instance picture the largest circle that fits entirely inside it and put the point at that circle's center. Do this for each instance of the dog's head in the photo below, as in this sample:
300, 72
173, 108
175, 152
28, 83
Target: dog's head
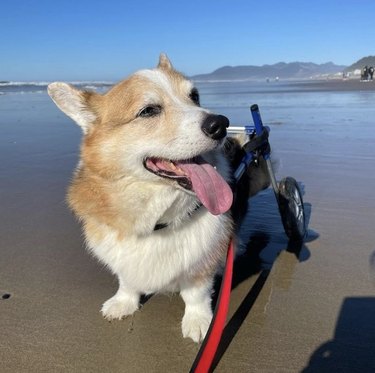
149, 127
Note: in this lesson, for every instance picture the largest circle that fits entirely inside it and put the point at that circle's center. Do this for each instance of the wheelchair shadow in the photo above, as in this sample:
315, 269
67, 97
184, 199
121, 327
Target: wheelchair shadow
260, 240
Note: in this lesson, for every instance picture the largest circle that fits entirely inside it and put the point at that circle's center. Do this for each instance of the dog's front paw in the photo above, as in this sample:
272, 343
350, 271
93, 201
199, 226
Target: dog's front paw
118, 307
195, 325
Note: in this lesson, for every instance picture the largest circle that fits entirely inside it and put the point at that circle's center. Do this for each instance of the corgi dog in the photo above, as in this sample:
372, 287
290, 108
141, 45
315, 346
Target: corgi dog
152, 189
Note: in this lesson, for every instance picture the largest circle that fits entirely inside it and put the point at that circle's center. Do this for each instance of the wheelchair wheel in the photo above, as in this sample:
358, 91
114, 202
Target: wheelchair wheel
291, 209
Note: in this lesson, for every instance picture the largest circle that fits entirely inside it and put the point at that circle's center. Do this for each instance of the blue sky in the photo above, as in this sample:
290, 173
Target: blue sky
107, 40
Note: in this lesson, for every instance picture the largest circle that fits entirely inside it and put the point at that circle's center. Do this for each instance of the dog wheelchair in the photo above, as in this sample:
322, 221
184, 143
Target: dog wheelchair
287, 192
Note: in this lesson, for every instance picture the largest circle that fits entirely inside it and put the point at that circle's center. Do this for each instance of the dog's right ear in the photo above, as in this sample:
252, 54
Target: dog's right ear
73, 103
164, 62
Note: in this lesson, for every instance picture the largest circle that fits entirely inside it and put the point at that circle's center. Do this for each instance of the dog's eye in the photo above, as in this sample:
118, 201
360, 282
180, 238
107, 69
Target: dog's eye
194, 96
150, 111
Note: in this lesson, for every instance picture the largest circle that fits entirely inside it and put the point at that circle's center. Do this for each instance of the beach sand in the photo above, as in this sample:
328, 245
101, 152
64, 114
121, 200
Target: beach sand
309, 308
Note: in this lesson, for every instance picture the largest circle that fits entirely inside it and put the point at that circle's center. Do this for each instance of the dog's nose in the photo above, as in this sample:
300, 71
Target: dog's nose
215, 126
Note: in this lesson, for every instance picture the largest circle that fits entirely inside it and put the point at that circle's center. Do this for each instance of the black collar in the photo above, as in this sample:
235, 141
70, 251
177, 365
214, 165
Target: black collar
159, 226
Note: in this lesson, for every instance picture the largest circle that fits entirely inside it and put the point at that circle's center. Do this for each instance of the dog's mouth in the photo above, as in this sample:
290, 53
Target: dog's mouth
198, 176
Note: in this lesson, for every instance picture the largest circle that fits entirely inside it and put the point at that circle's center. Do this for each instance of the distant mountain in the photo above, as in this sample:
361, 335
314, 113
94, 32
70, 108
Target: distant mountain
369, 61
282, 70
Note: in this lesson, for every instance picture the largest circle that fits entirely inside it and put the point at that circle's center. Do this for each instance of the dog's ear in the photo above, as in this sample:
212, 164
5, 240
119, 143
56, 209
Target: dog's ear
74, 103
164, 62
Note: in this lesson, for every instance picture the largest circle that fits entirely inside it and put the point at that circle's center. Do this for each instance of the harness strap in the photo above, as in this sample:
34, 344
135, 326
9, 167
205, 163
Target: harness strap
206, 354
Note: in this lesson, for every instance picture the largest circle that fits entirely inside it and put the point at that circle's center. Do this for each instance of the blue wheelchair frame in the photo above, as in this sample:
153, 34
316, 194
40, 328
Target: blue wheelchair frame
287, 192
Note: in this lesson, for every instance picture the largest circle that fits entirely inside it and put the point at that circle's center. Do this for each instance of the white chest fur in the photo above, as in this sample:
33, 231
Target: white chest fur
158, 261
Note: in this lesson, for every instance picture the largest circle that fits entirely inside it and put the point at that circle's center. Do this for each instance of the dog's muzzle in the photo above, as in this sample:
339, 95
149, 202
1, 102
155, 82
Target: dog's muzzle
215, 126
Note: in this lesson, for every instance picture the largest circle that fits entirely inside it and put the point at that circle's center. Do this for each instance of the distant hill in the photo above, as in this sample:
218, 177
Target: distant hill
282, 70
369, 61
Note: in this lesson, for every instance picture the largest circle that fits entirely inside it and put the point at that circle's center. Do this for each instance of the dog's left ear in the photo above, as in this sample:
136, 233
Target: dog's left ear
164, 62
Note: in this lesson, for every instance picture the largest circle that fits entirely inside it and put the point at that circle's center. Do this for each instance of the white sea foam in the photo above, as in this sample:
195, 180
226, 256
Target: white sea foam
22, 87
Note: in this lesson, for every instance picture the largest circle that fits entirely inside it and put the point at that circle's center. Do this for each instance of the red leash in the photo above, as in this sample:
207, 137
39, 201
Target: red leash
207, 352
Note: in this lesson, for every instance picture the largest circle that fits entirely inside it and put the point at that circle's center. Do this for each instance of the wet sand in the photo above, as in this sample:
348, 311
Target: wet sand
293, 309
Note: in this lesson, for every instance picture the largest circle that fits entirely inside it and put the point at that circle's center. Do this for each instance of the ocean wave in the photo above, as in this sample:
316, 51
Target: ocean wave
94, 83
18, 87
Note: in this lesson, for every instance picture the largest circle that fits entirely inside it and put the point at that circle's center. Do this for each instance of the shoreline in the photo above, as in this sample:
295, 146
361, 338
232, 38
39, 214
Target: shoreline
337, 85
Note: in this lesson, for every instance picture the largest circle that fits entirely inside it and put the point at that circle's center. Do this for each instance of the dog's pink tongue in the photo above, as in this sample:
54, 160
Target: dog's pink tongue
211, 189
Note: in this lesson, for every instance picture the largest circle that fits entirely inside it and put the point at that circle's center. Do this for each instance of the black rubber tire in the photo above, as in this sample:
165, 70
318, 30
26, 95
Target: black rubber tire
291, 209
